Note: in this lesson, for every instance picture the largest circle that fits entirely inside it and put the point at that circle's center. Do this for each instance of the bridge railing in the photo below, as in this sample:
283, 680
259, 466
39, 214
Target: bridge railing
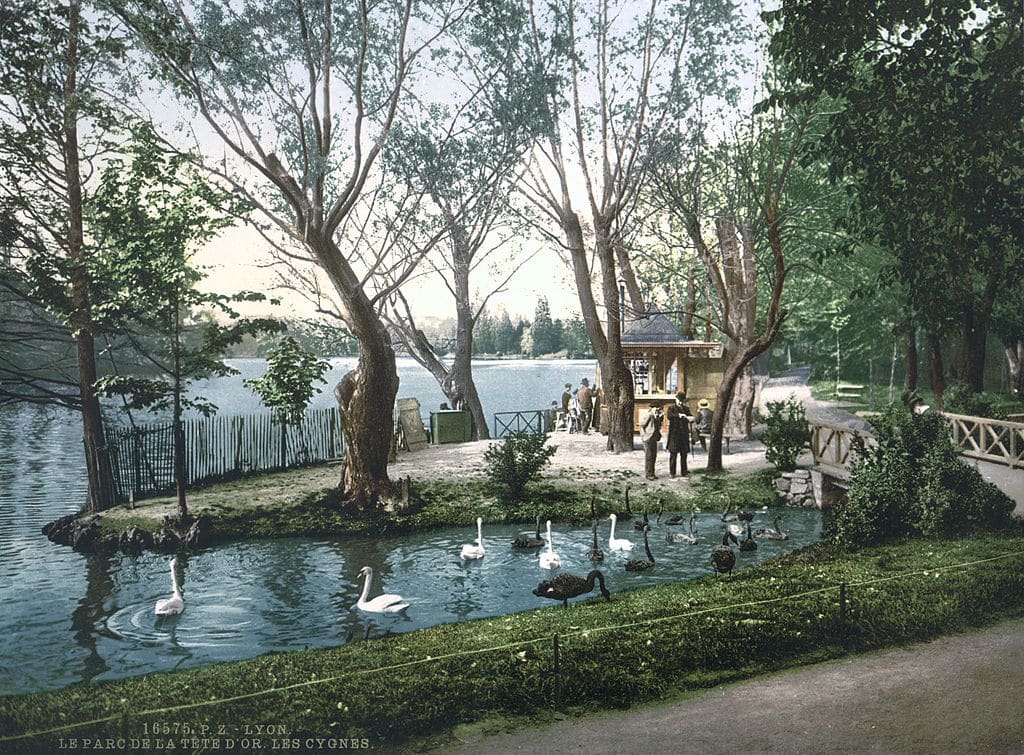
832, 447
989, 439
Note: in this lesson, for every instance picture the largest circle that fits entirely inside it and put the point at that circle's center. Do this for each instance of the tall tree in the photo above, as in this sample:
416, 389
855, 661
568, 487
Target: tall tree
304, 96
619, 74
149, 215
926, 133
50, 76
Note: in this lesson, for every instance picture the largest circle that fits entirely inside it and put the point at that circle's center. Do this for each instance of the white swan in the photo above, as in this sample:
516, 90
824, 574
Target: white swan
470, 552
618, 544
549, 559
175, 604
385, 603
679, 537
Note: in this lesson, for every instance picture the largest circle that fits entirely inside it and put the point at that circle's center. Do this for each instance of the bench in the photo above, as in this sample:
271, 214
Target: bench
849, 390
706, 438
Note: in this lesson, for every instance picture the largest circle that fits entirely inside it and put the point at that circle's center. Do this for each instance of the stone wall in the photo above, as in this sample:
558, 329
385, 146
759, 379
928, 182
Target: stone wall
795, 489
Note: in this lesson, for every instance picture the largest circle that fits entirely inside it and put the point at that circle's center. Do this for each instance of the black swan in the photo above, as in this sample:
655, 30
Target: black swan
566, 586
640, 564
525, 541
722, 557
596, 554
749, 543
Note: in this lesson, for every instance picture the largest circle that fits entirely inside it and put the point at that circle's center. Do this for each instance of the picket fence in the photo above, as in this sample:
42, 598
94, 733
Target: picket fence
217, 448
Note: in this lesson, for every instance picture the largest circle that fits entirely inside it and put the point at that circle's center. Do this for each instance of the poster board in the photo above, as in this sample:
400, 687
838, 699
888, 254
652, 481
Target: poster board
411, 424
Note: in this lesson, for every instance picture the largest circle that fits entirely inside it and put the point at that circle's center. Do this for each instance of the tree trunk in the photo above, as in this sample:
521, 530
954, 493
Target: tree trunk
938, 369
366, 399
972, 352
910, 349
101, 481
1015, 365
177, 428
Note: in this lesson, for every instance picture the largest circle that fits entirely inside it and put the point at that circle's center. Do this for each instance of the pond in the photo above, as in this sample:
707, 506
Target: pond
245, 599
70, 617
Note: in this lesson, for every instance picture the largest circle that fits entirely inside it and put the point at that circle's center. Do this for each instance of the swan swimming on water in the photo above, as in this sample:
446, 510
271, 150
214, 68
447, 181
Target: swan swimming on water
773, 533
549, 559
679, 537
525, 541
175, 604
640, 564
385, 603
596, 554
618, 543
471, 552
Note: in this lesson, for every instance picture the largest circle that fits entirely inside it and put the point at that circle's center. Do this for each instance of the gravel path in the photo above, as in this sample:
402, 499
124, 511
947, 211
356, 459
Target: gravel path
958, 694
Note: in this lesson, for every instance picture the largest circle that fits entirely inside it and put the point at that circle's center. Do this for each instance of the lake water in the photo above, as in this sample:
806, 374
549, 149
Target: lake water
70, 617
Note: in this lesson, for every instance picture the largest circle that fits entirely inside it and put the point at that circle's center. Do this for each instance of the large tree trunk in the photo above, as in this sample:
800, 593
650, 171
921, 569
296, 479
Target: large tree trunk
739, 274
972, 351
366, 395
101, 482
616, 379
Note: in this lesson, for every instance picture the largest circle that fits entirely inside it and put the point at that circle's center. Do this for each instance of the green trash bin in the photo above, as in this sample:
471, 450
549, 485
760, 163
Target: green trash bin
451, 426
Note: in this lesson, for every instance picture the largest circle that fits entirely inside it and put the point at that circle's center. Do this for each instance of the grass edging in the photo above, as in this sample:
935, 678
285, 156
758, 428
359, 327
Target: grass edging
641, 646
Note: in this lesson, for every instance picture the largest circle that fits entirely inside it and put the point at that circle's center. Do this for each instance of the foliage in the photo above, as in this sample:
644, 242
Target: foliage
399, 686
960, 399
786, 434
914, 482
908, 84
287, 386
151, 213
515, 462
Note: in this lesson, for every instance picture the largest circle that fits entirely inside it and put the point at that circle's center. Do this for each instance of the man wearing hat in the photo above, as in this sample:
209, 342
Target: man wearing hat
586, 402
702, 426
678, 441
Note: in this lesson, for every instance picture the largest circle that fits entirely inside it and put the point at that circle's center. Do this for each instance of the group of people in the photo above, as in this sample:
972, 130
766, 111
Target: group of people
577, 414
684, 428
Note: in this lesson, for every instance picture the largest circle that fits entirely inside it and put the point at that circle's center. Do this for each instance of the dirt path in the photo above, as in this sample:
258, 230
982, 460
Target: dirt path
957, 694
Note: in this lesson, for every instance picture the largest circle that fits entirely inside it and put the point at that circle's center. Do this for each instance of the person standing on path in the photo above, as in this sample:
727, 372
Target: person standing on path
650, 434
678, 441
586, 402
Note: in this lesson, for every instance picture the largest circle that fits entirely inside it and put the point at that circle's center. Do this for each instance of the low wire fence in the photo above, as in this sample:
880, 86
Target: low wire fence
142, 457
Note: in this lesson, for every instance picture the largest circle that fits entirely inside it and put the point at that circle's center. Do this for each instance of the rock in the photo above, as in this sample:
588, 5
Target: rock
198, 534
782, 485
134, 540
166, 538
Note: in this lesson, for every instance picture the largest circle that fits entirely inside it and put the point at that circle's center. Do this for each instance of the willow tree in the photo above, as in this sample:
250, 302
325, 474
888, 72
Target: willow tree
619, 75
301, 98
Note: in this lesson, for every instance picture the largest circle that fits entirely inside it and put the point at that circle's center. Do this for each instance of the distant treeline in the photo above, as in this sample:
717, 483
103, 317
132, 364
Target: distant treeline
494, 335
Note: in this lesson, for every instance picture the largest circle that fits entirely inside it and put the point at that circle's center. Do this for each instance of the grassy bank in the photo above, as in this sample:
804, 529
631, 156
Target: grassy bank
639, 646
304, 502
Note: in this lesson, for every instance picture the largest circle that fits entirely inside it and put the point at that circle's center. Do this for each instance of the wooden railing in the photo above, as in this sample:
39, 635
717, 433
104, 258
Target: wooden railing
832, 447
989, 439
978, 438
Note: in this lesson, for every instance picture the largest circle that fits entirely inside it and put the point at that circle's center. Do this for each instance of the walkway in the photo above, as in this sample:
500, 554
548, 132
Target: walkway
960, 693
794, 382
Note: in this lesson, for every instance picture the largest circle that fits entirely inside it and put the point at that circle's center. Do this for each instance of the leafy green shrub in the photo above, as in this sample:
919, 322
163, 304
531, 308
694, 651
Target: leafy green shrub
785, 435
914, 482
960, 399
516, 462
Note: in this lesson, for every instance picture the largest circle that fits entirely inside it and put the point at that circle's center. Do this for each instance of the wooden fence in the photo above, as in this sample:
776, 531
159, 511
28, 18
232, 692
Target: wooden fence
219, 447
989, 439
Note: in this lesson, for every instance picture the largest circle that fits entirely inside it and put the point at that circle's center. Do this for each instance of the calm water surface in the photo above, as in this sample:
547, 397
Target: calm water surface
70, 617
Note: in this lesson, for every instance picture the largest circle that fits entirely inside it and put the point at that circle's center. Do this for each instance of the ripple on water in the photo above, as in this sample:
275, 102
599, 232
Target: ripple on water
203, 623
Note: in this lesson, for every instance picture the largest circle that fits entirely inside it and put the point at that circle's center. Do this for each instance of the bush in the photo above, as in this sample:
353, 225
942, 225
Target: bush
516, 462
914, 482
785, 435
960, 399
